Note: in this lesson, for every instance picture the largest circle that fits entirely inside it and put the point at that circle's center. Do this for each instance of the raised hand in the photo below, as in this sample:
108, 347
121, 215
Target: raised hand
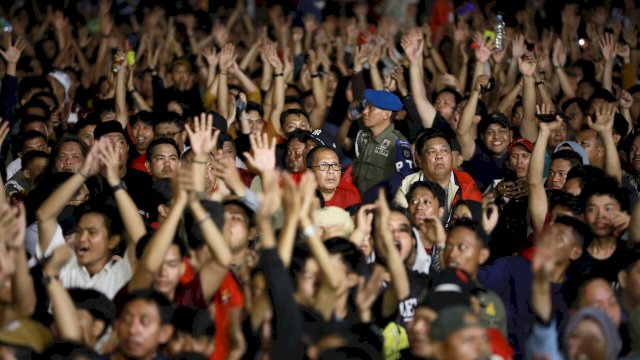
202, 137
211, 56
12, 54
398, 76
291, 200
263, 152
604, 119
272, 57
412, 43
545, 109
368, 292
227, 57
91, 165
559, 54
226, 170
461, 32
490, 213
432, 228
109, 158
59, 21
624, 52
359, 57
270, 198
607, 46
527, 65
483, 51
480, 82
518, 47
626, 100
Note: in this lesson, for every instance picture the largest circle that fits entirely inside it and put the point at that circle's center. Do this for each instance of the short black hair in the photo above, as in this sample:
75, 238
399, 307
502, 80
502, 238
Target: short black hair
253, 106
168, 117
582, 104
109, 214
160, 141
451, 91
146, 239
435, 189
603, 94
67, 350
605, 186
165, 307
562, 198
96, 303
311, 155
35, 102
194, 321
84, 149
32, 82
146, 117
350, 255
90, 119
474, 226
298, 112
428, 134
581, 231
31, 156
30, 135
29, 119
584, 173
573, 157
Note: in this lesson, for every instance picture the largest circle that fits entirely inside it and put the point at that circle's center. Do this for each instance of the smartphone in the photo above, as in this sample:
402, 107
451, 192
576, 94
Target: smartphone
131, 57
240, 106
356, 110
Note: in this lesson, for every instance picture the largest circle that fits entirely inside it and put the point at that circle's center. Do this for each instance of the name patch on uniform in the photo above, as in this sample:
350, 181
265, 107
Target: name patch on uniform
382, 151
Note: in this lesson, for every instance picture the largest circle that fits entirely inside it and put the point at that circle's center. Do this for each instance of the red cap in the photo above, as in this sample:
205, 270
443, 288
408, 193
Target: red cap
522, 142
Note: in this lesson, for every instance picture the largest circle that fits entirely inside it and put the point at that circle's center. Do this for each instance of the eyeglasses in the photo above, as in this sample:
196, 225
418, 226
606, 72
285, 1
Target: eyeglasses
325, 167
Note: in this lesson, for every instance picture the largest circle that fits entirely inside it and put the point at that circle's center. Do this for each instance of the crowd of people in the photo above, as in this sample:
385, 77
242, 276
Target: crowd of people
320, 179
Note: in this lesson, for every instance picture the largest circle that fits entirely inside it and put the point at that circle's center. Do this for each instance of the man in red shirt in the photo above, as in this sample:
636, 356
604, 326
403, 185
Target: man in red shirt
323, 161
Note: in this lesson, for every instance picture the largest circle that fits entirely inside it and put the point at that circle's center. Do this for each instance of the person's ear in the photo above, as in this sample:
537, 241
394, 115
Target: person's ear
165, 333
484, 255
575, 253
114, 240
97, 326
27, 174
20, 154
147, 165
48, 149
163, 210
387, 114
440, 212
622, 278
616, 138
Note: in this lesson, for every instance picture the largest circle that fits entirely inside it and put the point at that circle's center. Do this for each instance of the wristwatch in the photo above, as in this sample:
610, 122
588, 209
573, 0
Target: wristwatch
309, 231
120, 185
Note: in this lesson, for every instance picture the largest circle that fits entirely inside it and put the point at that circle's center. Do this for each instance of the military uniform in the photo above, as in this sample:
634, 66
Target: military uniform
381, 161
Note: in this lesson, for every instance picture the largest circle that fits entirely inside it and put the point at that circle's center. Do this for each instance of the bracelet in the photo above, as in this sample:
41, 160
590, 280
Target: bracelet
207, 217
316, 75
309, 231
199, 162
120, 186
46, 279
539, 82
281, 74
224, 73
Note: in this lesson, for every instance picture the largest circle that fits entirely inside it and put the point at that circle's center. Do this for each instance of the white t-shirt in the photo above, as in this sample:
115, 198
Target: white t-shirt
14, 167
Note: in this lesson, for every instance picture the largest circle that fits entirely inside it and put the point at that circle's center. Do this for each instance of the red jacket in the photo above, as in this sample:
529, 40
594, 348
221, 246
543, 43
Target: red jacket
467, 188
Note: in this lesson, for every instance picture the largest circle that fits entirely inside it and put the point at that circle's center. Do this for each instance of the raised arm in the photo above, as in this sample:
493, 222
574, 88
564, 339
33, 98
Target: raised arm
47, 214
64, 311
316, 116
558, 60
399, 289
608, 48
122, 110
276, 64
291, 203
412, 44
155, 251
133, 222
603, 125
226, 60
529, 126
538, 204
463, 131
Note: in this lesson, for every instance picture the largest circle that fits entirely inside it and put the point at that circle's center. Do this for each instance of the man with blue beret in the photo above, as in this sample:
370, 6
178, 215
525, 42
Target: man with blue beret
383, 155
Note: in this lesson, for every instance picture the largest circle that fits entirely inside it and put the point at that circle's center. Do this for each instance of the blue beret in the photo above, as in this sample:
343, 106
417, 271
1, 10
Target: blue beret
383, 100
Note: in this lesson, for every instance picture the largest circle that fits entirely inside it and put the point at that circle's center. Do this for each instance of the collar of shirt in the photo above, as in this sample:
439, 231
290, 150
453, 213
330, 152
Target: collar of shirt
386, 132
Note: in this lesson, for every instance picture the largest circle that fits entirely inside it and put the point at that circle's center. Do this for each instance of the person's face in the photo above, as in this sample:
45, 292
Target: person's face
118, 141
49, 48
296, 154
419, 331
167, 278
35, 144
598, 214
183, 342
598, 293
210, 173
558, 171
86, 134
307, 280
90, 328
576, 117
467, 343
146, 84
572, 187
634, 154
586, 341
170, 130
142, 135
228, 149
422, 204
92, 241
519, 158
139, 329
588, 139
164, 162
295, 121
559, 135
330, 179
585, 90
516, 116
497, 139
463, 250
402, 235
437, 161
444, 104
69, 157
256, 122
181, 76
39, 126
373, 117
567, 247
236, 227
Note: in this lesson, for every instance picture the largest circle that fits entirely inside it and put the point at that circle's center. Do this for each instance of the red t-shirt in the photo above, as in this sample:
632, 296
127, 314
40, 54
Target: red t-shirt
344, 197
229, 296
138, 163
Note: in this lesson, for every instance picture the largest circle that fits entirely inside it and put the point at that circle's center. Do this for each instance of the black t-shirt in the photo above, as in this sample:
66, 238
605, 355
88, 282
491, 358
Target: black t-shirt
587, 267
139, 186
485, 167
